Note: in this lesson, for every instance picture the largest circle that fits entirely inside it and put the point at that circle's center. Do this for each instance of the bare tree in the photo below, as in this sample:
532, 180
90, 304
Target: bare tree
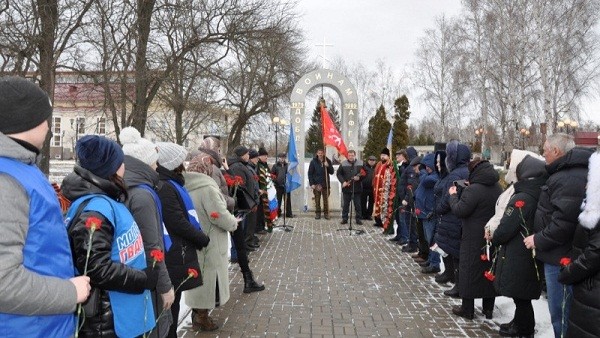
34, 38
261, 70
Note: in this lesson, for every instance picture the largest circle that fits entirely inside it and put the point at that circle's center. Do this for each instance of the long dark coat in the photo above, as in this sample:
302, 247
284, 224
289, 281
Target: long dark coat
475, 206
517, 272
584, 272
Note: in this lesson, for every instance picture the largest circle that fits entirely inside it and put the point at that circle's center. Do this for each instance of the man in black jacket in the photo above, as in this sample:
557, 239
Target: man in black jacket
350, 173
556, 218
279, 171
366, 198
319, 170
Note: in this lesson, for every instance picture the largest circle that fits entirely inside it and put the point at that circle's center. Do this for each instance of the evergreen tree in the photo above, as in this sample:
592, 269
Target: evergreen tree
314, 135
400, 137
379, 128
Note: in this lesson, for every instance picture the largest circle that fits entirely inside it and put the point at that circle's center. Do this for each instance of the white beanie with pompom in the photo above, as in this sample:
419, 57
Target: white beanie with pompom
136, 146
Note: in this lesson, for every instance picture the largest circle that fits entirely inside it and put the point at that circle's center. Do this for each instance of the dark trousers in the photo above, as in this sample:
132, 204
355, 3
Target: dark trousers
175, 314
250, 225
324, 193
524, 316
468, 304
239, 243
423, 244
346, 207
260, 218
366, 203
288, 202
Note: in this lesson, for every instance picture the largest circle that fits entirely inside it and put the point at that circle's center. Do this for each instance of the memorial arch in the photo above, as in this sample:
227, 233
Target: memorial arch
348, 119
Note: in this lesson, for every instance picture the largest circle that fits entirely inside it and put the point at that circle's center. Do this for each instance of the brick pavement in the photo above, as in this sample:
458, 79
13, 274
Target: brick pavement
326, 283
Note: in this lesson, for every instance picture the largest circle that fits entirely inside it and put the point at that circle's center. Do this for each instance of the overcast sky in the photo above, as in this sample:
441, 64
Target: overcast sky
366, 31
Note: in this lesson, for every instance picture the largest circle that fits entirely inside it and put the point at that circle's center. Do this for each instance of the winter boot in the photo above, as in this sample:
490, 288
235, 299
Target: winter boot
448, 274
454, 291
250, 285
201, 321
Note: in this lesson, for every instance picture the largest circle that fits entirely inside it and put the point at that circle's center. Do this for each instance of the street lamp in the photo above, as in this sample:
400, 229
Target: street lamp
478, 139
566, 124
278, 122
524, 134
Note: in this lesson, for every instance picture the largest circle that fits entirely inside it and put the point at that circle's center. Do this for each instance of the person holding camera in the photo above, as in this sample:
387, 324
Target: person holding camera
350, 173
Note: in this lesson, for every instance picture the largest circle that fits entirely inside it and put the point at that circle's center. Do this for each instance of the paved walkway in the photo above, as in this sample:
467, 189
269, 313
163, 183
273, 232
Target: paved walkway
326, 283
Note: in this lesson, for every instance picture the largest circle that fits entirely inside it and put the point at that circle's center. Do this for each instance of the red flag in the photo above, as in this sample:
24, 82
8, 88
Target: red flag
331, 136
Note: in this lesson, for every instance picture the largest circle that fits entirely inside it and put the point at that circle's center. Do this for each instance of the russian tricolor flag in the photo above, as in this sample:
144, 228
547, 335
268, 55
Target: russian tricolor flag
272, 195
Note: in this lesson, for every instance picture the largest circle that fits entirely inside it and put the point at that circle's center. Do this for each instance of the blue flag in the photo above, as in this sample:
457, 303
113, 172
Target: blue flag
292, 179
389, 139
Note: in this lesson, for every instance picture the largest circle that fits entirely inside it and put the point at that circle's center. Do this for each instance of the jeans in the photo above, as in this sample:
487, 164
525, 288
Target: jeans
402, 219
429, 230
411, 223
556, 294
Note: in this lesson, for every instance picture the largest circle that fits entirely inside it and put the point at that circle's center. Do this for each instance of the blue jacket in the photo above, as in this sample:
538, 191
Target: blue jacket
424, 197
449, 228
46, 251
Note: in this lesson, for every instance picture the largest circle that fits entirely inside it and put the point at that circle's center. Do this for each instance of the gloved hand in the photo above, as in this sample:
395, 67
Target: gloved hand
204, 240
151, 278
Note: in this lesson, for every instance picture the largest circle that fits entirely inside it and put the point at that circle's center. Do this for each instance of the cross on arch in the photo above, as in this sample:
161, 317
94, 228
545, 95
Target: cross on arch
324, 45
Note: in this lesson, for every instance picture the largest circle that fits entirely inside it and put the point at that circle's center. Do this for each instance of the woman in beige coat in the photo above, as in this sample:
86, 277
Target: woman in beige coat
216, 222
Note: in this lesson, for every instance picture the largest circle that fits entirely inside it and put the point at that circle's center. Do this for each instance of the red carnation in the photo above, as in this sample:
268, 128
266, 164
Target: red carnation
158, 255
519, 203
93, 223
409, 187
238, 180
214, 215
417, 212
565, 261
489, 276
192, 273
484, 257
229, 180
273, 176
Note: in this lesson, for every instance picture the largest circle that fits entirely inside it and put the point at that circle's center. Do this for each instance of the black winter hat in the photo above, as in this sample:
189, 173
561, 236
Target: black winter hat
262, 151
101, 156
23, 105
240, 151
253, 153
385, 151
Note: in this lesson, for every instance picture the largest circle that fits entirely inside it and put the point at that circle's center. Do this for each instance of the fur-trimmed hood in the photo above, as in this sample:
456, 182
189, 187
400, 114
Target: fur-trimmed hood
590, 215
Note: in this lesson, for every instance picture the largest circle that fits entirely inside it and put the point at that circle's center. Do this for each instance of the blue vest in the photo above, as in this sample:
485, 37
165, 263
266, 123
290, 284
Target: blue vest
133, 313
46, 251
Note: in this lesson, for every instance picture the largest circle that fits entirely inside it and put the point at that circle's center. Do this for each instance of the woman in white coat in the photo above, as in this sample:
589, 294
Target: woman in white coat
216, 222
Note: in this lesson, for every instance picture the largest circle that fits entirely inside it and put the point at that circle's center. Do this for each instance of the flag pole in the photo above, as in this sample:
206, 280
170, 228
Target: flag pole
327, 183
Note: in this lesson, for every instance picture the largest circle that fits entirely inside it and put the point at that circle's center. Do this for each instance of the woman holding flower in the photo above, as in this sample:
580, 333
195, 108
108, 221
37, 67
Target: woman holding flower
475, 206
179, 217
107, 244
516, 270
217, 222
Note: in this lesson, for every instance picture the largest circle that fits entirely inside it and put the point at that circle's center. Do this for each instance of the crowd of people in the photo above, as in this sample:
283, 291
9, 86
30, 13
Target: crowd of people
133, 229
495, 241
130, 232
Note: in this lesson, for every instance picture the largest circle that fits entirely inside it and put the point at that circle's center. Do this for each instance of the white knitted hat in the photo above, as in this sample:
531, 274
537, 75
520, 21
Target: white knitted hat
170, 155
136, 146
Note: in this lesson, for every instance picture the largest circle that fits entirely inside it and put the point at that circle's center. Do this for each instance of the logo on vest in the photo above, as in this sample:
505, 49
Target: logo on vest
130, 244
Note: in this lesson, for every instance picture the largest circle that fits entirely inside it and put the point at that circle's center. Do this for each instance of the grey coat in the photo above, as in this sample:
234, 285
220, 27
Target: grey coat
52, 295
208, 199
142, 206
